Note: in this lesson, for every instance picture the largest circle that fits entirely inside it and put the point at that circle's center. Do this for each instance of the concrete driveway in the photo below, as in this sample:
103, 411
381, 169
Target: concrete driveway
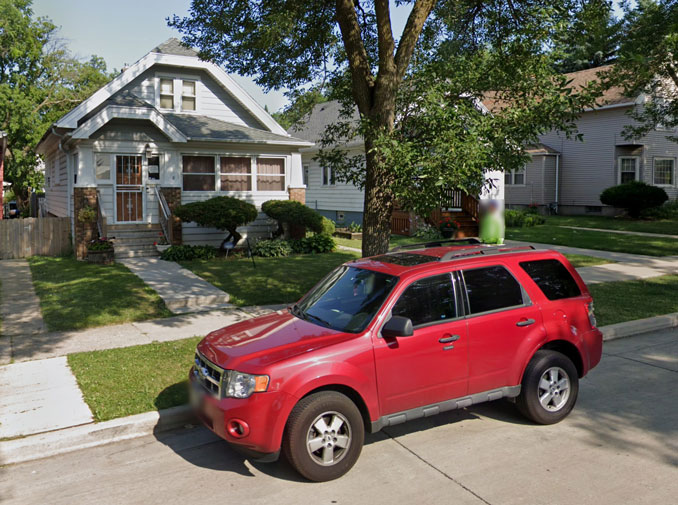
620, 445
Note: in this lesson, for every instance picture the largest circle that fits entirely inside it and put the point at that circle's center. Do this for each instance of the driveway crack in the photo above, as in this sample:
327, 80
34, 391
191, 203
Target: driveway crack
445, 474
641, 362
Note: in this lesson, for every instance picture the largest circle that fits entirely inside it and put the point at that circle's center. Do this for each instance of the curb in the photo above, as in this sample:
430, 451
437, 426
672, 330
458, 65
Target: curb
57, 442
639, 326
52, 443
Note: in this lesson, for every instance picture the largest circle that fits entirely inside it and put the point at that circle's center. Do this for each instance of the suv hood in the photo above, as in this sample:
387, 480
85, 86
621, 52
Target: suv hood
265, 340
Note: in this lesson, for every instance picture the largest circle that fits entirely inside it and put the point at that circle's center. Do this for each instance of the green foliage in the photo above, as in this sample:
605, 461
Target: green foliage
87, 214
100, 244
590, 39
275, 248
188, 253
522, 219
634, 197
315, 244
328, 227
427, 232
355, 227
293, 213
39, 82
667, 211
221, 212
301, 103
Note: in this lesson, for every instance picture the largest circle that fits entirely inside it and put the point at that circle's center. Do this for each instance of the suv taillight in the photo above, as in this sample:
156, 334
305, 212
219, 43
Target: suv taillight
592, 316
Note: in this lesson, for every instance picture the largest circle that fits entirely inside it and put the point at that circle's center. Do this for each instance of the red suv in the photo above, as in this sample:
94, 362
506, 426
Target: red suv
383, 340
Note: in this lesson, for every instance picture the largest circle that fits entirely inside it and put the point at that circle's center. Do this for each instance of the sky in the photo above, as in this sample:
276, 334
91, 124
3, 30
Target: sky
123, 31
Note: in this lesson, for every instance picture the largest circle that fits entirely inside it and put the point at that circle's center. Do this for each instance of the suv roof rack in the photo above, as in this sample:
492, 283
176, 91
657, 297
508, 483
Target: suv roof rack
490, 250
437, 243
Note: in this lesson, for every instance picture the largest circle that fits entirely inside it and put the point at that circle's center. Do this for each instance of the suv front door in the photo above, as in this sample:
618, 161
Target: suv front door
501, 318
432, 365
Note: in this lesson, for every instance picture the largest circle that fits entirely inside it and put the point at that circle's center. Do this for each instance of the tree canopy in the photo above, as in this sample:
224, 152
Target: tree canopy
39, 82
419, 96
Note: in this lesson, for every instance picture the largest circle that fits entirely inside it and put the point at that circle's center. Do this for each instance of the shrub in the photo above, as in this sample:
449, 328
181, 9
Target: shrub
355, 227
272, 248
667, 211
427, 232
100, 244
522, 219
87, 214
328, 227
634, 197
221, 212
314, 244
293, 213
189, 252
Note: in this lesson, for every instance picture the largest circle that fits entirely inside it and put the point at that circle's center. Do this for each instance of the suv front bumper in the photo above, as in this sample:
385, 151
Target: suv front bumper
263, 416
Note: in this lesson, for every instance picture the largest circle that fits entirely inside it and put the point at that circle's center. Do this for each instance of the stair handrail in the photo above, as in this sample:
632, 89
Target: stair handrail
470, 205
101, 220
165, 215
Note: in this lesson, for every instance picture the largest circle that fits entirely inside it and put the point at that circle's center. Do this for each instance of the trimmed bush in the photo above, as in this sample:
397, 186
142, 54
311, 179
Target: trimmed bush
221, 212
293, 213
315, 244
272, 248
522, 219
328, 227
634, 197
667, 211
188, 252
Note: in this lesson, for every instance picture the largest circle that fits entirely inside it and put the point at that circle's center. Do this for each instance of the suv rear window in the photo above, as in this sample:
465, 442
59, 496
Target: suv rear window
492, 288
552, 278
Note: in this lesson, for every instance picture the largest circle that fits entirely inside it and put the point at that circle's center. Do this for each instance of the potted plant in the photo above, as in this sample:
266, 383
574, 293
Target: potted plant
101, 251
161, 244
448, 227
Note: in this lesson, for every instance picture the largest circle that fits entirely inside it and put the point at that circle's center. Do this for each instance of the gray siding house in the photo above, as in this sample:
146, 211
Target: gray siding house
168, 130
572, 174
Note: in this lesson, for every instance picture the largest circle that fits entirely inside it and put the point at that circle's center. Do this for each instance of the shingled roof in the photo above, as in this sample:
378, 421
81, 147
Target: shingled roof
174, 46
313, 125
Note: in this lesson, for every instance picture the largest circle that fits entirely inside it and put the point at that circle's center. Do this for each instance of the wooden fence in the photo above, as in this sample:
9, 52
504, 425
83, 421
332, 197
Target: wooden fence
47, 236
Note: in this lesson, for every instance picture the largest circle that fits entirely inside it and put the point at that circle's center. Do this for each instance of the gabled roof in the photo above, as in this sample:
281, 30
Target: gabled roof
170, 53
196, 127
540, 149
312, 126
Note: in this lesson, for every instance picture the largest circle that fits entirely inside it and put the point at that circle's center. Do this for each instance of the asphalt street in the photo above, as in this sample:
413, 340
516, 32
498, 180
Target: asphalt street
620, 445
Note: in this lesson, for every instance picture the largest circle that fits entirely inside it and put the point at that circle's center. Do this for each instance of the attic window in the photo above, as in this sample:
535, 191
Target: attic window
188, 95
167, 94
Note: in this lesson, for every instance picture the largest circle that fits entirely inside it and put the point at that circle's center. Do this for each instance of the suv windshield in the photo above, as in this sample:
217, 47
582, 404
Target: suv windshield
347, 299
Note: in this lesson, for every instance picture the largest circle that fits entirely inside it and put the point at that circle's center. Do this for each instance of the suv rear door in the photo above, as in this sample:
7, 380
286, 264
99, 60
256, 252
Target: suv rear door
501, 318
430, 366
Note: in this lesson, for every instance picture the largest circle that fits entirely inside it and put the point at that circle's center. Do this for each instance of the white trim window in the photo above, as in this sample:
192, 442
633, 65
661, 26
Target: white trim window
664, 172
628, 169
304, 175
235, 173
329, 178
188, 96
270, 174
166, 93
514, 177
102, 166
198, 173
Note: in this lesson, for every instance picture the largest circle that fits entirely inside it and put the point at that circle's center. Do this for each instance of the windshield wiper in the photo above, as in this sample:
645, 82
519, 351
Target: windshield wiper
319, 319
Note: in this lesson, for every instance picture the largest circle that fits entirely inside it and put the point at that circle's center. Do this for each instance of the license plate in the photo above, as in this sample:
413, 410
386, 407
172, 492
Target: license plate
196, 397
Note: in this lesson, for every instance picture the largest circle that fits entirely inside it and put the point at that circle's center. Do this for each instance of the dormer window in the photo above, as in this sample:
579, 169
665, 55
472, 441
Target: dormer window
188, 96
167, 94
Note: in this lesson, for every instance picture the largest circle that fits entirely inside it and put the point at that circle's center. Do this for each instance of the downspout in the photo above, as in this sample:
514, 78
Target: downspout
557, 179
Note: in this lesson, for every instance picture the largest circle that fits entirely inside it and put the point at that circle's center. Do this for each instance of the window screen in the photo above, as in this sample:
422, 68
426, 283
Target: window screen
492, 288
552, 278
429, 300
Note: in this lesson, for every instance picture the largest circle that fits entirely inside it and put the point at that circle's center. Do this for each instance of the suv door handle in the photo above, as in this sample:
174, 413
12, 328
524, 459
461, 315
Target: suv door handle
525, 322
450, 338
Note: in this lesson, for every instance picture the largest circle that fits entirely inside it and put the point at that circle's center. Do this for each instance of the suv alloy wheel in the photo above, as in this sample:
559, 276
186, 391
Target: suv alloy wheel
324, 436
549, 389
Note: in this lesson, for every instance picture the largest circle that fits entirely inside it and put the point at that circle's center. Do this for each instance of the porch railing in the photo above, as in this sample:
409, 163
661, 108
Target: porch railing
165, 215
470, 206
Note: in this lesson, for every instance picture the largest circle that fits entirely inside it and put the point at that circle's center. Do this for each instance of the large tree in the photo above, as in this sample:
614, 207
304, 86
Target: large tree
648, 65
39, 82
293, 42
590, 39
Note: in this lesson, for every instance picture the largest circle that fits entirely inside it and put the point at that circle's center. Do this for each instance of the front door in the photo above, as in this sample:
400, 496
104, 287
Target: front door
129, 201
431, 366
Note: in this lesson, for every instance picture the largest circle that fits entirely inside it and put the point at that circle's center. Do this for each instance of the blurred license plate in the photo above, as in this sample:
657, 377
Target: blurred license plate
197, 396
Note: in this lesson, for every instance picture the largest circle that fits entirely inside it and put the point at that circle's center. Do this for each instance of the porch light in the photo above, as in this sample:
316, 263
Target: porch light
149, 151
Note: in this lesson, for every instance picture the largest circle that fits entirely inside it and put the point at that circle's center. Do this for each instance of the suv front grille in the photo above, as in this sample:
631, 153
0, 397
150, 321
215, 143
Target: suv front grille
209, 375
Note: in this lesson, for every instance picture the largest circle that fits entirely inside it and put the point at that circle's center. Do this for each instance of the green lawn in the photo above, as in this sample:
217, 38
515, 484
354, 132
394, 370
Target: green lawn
131, 380
666, 226
272, 280
616, 302
632, 244
76, 294
579, 260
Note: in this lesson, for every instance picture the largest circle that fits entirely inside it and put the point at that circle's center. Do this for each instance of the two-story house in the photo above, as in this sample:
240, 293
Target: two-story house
168, 130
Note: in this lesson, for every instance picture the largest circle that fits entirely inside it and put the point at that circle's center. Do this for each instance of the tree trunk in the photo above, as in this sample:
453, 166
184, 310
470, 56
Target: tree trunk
378, 204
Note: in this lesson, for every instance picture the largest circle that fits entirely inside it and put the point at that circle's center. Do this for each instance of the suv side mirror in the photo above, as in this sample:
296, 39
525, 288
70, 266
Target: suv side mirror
397, 326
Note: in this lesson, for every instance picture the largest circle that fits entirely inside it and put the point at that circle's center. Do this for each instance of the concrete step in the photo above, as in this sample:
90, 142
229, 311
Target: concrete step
135, 250
140, 227
136, 240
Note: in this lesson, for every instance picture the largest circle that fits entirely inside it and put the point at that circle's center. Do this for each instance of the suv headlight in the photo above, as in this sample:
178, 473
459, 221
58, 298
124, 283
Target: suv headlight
242, 385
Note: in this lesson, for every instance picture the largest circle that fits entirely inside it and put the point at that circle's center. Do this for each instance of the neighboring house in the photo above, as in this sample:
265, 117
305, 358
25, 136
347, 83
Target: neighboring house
170, 129
572, 174
3, 148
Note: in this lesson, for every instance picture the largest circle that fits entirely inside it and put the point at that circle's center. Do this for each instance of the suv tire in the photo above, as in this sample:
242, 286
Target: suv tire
549, 388
324, 436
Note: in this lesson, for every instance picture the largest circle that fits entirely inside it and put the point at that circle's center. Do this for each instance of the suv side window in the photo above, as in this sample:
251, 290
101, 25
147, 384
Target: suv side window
427, 301
492, 288
552, 278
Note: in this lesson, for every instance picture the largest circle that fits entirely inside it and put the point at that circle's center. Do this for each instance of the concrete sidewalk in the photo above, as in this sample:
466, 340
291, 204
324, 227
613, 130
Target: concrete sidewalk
621, 232
181, 290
